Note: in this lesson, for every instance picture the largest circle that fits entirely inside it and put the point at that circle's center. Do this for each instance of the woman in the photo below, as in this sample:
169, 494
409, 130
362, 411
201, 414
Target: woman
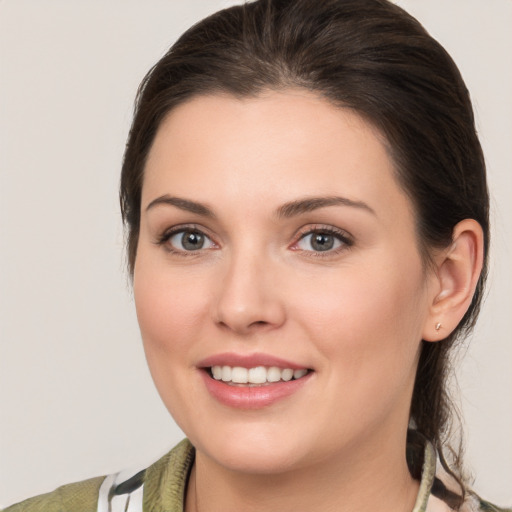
307, 218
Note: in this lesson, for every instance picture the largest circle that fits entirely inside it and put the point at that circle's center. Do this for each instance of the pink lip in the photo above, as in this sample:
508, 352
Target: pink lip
255, 397
247, 361
245, 396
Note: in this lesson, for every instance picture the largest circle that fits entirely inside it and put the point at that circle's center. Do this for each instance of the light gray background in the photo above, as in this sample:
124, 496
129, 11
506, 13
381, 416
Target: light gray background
76, 399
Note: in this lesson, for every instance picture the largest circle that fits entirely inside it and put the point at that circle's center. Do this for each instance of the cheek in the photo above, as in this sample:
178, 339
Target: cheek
171, 310
367, 319
367, 327
170, 307
362, 300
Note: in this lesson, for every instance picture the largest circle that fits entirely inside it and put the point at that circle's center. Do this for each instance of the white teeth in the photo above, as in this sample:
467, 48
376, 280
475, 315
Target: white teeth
217, 372
287, 374
297, 374
256, 375
239, 375
273, 374
226, 373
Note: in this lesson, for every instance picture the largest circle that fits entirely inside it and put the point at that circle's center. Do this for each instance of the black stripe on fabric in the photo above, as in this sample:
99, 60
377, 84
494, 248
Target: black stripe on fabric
131, 484
415, 453
443, 493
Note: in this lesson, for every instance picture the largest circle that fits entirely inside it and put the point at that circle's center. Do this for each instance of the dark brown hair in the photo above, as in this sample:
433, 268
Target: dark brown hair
367, 55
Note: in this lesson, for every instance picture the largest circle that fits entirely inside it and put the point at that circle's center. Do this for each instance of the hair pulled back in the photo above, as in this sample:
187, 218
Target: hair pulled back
367, 55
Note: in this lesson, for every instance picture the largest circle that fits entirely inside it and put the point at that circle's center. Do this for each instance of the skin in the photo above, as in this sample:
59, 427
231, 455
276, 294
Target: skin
355, 315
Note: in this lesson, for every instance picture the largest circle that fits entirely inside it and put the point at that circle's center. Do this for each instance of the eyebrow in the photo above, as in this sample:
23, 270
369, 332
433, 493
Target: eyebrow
310, 204
287, 210
182, 204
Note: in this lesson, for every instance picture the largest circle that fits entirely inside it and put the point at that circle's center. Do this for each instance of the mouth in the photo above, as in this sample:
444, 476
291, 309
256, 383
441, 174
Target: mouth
255, 376
254, 381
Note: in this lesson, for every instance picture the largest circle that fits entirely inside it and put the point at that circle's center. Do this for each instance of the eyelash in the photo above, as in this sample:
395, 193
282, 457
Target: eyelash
341, 236
164, 238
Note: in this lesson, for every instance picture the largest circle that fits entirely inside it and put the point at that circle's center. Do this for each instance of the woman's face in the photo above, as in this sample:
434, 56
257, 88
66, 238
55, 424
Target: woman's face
274, 236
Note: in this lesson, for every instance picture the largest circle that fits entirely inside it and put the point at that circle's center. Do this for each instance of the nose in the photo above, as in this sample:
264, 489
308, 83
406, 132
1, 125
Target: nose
249, 299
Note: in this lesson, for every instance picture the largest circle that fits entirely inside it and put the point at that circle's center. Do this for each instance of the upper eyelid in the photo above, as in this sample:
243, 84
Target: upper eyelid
163, 236
299, 234
164, 240
185, 227
306, 230
346, 239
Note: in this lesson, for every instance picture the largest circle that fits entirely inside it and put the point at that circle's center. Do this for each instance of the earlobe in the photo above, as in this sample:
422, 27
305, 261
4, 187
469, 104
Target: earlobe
457, 271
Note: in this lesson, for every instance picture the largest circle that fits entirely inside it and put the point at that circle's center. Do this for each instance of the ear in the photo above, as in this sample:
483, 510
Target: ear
456, 276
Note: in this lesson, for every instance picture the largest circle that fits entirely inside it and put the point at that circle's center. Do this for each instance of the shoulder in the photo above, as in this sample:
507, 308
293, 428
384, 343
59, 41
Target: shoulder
482, 505
445, 492
162, 484
80, 497
441, 500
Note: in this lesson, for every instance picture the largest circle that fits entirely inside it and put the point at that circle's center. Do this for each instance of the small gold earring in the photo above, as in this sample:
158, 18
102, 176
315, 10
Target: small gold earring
438, 326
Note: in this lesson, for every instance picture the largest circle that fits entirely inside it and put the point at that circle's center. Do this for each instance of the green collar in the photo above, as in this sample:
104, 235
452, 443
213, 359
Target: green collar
165, 482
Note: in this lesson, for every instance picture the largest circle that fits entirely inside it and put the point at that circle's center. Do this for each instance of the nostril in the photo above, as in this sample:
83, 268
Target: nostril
259, 324
246, 313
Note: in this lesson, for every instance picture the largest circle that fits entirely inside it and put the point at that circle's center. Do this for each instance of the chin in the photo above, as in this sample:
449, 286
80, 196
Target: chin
253, 451
256, 461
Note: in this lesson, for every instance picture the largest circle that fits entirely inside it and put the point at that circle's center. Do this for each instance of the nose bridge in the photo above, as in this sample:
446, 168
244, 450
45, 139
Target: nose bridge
247, 298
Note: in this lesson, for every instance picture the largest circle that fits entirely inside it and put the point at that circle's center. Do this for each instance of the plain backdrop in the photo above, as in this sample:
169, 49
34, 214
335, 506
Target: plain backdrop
76, 398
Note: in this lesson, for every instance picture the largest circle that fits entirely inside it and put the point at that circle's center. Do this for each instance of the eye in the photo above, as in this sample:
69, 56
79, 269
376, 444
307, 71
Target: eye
323, 240
189, 240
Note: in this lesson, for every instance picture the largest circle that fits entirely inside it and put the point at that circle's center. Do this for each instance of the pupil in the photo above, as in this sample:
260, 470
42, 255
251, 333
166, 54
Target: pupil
322, 242
192, 241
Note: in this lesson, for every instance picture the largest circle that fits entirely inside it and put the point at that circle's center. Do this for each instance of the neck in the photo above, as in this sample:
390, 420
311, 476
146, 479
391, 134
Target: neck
357, 480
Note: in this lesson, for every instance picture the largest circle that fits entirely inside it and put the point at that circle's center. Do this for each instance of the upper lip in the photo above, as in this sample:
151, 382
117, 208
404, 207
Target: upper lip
248, 361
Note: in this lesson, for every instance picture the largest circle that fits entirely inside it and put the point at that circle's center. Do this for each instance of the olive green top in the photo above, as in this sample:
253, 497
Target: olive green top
162, 488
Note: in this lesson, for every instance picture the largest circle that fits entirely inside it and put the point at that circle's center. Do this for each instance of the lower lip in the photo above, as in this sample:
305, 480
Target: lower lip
252, 397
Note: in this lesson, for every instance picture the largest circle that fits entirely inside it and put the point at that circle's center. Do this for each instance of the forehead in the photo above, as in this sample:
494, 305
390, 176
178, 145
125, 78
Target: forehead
275, 145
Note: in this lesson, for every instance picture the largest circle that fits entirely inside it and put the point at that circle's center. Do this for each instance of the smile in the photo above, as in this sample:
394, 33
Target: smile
259, 375
253, 381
